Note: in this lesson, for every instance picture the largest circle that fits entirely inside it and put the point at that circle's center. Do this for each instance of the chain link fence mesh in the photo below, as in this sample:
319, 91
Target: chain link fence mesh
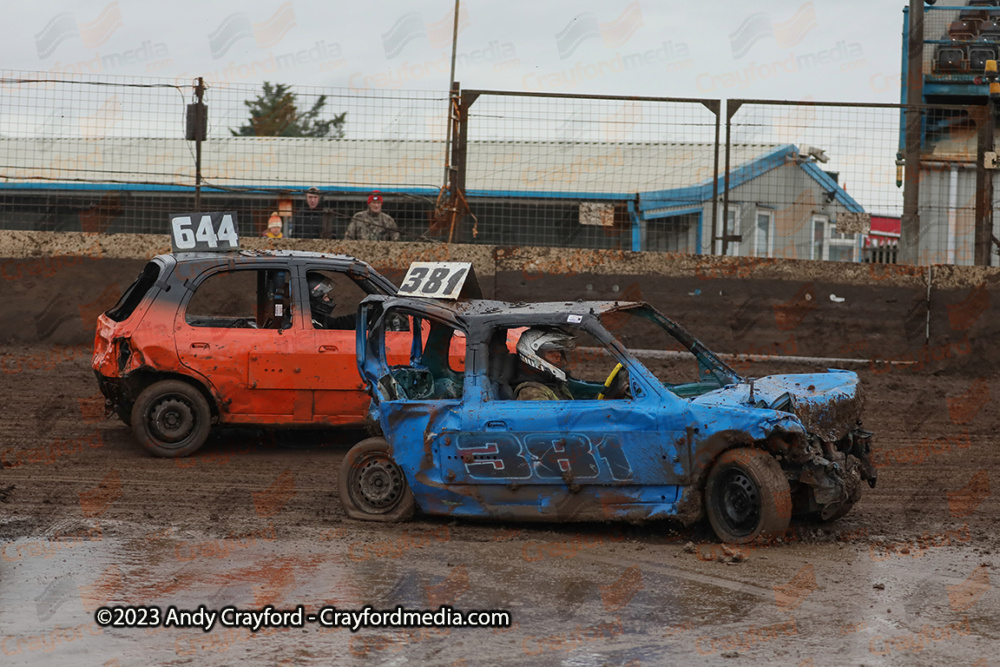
573, 171
110, 154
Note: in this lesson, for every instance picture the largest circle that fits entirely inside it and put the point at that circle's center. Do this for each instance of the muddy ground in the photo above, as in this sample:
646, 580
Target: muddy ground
253, 519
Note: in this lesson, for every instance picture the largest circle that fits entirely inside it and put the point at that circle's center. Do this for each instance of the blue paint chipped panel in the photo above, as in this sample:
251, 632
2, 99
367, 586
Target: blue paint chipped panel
467, 448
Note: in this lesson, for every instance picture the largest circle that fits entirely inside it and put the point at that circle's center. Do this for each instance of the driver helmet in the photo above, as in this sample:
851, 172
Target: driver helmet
321, 294
535, 341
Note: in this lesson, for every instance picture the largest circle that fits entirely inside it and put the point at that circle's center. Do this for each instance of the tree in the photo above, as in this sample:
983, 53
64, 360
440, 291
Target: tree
274, 114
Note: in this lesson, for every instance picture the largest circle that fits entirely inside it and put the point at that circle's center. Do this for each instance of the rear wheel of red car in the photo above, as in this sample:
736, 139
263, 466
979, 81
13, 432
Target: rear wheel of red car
747, 496
372, 487
171, 418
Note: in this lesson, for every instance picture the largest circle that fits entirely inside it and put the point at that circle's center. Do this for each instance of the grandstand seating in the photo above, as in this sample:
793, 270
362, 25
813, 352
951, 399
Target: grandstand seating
974, 17
979, 54
951, 59
963, 30
989, 31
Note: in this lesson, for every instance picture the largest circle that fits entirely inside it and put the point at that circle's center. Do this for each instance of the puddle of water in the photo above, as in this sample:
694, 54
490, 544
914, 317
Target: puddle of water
574, 599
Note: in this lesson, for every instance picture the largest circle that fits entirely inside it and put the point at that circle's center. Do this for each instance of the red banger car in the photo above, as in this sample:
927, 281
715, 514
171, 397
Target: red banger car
204, 338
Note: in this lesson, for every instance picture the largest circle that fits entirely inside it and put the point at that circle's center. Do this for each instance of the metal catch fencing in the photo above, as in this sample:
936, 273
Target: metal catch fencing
807, 180
118, 154
583, 171
838, 160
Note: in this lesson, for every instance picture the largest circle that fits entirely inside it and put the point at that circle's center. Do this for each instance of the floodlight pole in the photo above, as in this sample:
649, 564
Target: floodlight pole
454, 43
452, 101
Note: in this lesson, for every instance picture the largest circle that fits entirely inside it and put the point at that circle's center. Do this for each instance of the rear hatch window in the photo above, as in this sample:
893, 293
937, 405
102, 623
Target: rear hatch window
132, 296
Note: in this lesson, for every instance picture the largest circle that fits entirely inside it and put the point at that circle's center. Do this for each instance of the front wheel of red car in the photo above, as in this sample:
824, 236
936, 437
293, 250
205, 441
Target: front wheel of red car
747, 496
372, 487
171, 418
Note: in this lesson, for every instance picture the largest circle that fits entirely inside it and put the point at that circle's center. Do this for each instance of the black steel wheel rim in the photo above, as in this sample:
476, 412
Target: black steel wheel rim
377, 484
171, 419
737, 502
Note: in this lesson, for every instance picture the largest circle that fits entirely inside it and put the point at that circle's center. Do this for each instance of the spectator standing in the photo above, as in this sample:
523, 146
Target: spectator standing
372, 224
273, 230
312, 222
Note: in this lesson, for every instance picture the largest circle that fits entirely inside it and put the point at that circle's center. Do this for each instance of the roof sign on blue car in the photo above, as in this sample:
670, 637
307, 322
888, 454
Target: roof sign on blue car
441, 280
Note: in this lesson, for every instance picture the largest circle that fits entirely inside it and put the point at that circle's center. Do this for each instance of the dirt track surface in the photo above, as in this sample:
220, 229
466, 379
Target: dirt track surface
253, 519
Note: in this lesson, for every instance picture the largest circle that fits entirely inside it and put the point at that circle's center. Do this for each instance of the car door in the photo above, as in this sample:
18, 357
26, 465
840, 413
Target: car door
236, 329
338, 391
626, 442
423, 398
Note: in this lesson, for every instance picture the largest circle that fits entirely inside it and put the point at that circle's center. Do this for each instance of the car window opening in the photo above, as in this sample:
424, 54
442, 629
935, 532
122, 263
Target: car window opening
553, 363
334, 298
676, 359
132, 296
435, 369
242, 299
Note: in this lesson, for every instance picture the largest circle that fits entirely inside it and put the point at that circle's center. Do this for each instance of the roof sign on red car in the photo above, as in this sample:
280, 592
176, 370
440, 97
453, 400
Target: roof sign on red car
441, 280
201, 232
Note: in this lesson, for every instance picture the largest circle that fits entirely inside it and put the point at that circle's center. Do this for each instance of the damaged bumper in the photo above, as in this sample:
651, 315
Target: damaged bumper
833, 476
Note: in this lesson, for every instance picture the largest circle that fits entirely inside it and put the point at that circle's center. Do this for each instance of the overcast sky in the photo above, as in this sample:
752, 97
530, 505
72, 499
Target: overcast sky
767, 49
848, 50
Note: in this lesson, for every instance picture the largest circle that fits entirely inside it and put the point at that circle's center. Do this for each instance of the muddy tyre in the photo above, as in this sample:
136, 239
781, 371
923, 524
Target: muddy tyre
372, 487
747, 496
171, 418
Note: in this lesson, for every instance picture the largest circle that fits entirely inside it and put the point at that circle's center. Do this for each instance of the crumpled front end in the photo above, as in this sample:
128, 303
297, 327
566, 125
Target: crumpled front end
827, 465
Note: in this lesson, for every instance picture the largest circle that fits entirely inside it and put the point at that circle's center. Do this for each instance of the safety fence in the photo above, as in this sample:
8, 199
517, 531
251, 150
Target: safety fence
765, 178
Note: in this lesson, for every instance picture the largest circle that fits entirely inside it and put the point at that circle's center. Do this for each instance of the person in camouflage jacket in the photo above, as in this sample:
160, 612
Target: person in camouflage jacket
372, 224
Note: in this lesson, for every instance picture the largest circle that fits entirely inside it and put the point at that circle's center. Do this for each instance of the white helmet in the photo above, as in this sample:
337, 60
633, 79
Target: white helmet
534, 341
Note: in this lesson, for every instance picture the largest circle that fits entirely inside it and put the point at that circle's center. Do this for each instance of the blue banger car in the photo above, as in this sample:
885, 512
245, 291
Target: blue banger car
680, 435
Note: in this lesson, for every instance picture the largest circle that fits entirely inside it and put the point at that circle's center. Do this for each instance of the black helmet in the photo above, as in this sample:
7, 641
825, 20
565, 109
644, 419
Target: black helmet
320, 287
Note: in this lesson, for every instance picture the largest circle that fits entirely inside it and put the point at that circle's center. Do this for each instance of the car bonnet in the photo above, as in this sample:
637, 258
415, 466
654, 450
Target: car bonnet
828, 404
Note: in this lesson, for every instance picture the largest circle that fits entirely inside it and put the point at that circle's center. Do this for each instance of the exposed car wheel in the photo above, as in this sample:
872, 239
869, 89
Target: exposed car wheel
171, 418
372, 487
747, 496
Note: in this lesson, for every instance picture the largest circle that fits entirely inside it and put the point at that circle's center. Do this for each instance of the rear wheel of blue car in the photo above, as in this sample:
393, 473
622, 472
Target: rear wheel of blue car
747, 496
171, 418
372, 487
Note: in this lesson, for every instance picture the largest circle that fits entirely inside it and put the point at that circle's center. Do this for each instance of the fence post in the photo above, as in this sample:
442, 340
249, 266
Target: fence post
909, 232
459, 152
199, 92
732, 106
716, 108
985, 123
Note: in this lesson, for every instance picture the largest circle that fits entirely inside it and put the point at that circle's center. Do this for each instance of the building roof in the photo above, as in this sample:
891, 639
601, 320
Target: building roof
661, 172
775, 156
